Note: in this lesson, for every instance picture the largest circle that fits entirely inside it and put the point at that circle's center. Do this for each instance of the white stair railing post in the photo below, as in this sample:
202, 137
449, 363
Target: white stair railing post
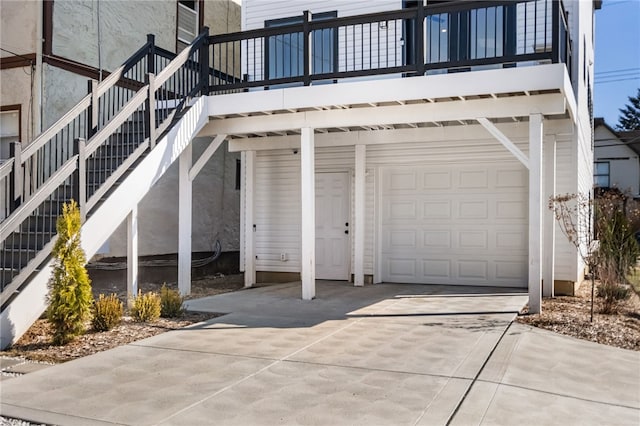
80, 178
150, 110
16, 175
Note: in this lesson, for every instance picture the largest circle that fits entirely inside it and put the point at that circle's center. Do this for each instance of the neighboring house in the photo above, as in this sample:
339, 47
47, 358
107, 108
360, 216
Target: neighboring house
88, 39
386, 141
616, 159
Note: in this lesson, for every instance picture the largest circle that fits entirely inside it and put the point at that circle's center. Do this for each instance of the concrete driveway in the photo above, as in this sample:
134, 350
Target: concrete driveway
379, 355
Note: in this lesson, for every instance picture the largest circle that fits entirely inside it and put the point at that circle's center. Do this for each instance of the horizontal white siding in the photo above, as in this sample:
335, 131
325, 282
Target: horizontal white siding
566, 254
278, 206
256, 12
278, 191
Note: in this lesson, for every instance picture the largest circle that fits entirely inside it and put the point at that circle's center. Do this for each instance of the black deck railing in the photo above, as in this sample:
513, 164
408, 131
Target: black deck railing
454, 37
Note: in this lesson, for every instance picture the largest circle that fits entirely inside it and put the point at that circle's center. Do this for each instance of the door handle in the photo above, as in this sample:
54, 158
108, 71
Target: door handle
346, 231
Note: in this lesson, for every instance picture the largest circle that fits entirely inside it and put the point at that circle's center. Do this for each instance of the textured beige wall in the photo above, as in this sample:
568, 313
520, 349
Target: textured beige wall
216, 209
61, 91
222, 16
18, 34
15, 89
18, 29
124, 26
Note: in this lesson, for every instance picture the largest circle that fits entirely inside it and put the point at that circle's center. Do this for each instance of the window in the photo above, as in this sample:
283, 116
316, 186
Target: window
188, 23
601, 174
9, 129
284, 54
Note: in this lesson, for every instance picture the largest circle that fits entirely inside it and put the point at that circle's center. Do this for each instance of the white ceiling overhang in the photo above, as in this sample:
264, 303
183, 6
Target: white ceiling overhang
447, 100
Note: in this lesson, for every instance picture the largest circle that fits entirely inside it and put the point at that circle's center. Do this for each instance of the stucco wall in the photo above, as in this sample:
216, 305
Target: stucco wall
124, 26
18, 29
18, 34
61, 91
222, 16
216, 209
15, 89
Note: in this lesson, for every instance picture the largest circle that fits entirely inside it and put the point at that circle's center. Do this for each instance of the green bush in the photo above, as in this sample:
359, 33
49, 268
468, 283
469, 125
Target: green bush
70, 298
170, 302
107, 312
146, 307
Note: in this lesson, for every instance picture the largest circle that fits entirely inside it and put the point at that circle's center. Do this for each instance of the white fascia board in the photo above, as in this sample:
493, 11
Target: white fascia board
472, 132
507, 80
389, 115
572, 104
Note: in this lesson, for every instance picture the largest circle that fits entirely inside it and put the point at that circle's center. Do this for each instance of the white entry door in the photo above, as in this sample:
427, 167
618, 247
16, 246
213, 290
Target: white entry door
332, 226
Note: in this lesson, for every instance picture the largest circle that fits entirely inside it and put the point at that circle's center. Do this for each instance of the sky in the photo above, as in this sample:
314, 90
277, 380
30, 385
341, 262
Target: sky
617, 57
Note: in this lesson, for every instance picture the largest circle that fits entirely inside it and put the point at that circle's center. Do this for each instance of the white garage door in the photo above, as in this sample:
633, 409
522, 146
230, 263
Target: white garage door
455, 225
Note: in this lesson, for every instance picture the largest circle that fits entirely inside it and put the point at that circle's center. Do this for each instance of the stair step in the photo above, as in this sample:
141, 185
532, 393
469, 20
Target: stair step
26, 241
16, 259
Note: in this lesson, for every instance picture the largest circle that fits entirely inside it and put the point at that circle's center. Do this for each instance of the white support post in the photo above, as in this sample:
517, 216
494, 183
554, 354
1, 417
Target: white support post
308, 220
249, 220
359, 215
184, 221
243, 184
535, 213
132, 255
549, 219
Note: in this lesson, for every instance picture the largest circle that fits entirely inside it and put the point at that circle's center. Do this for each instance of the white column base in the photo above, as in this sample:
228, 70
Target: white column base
184, 221
132, 255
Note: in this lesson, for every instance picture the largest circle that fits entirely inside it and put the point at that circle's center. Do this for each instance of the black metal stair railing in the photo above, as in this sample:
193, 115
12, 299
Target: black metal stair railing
85, 153
439, 38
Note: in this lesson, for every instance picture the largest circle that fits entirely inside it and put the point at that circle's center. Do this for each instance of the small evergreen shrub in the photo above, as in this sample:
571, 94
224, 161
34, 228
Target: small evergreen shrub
146, 307
70, 298
107, 312
170, 302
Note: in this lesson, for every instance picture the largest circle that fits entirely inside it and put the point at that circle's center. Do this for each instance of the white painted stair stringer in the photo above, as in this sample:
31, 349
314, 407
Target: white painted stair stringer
31, 302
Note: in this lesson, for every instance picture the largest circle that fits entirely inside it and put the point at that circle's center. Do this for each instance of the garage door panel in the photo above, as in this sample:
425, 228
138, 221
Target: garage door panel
509, 270
401, 269
436, 180
400, 239
436, 239
511, 240
512, 179
436, 209
455, 225
473, 179
475, 270
436, 269
473, 240
476, 209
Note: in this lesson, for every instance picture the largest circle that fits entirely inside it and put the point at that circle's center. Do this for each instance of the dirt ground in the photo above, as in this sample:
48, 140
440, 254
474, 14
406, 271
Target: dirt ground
570, 315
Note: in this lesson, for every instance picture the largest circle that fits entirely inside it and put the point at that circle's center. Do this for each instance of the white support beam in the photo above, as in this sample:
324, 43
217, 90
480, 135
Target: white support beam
375, 92
553, 103
491, 128
308, 220
249, 219
472, 132
549, 218
132, 255
184, 221
535, 213
359, 215
206, 155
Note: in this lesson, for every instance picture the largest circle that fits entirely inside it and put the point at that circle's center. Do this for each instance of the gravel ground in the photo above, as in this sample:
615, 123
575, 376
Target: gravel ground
569, 315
